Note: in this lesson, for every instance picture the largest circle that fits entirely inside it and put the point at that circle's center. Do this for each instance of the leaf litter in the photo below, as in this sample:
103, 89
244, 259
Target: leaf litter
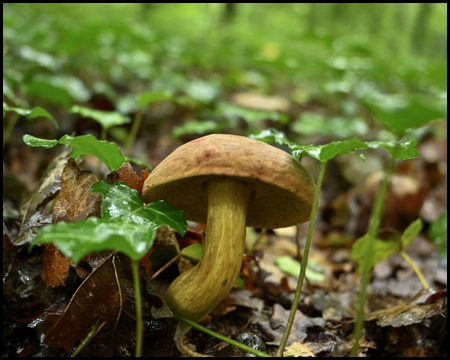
322, 326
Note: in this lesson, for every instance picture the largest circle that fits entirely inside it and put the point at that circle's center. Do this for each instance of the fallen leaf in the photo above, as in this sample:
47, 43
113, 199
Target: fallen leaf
297, 349
76, 202
56, 267
108, 294
50, 183
126, 174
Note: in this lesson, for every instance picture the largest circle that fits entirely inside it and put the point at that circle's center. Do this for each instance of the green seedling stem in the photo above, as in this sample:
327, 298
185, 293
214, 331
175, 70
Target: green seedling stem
88, 337
304, 263
415, 268
221, 337
137, 294
10, 127
374, 225
133, 131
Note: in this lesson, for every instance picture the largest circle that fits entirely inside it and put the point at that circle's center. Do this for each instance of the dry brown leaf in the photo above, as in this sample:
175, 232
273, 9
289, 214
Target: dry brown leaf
56, 267
126, 173
50, 183
76, 201
108, 294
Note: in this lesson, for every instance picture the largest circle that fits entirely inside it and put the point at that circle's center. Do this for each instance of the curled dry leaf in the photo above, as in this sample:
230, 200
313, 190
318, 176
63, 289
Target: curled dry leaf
126, 174
50, 183
76, 201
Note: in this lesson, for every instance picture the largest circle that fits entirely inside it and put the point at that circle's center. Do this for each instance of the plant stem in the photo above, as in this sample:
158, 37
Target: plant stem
10, 127
415, 268
304, 263
88, 337
374, 225
137, 295
221, 337
133, 131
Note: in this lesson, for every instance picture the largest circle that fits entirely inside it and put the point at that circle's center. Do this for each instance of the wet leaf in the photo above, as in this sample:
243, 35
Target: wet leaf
399, 150
125, 225
120, 201
322, 153
107, 152
328, 151
107, 294
76, 240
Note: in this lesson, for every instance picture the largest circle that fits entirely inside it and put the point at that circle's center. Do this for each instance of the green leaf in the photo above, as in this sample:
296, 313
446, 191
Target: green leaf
412, 231
438, 233
326, 152
292, 267
193, 252
50, 93
106, 119
383, 249
400, 116
138, 162
249, 115
147, 98
30, 114
108, 152
125, 225
399, 150
32, 141
120, 201
77, 240
272, 135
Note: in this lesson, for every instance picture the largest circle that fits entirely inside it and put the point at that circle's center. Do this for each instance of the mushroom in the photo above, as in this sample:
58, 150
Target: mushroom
229, 182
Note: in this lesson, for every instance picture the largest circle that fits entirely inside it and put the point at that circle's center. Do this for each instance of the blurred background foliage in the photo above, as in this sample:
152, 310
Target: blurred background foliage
328, 62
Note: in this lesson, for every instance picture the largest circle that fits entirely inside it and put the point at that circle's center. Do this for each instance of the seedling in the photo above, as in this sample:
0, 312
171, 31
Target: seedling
29, 114
106, 119
126, 225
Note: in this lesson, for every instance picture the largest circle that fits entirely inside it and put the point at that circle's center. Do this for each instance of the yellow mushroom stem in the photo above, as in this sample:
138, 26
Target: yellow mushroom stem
197, 291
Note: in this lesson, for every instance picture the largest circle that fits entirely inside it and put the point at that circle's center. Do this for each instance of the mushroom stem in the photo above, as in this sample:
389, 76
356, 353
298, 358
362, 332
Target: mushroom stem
197, 291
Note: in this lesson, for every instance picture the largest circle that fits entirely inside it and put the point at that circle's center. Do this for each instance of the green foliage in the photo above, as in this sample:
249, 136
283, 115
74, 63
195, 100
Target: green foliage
399, 150
311, 123
399, 115
125, 225
50, 93
106, 119
29, 114
387, 246
438, 233
107, 152
194, 252
292, 267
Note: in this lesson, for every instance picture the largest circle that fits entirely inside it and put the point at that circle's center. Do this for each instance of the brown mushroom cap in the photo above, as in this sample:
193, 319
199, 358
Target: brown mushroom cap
283, 191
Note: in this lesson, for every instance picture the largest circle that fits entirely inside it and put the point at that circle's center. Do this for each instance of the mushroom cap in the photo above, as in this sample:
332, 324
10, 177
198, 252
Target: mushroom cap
282, 194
